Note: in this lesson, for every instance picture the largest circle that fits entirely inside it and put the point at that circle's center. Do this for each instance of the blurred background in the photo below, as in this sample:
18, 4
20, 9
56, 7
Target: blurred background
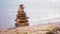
38, 11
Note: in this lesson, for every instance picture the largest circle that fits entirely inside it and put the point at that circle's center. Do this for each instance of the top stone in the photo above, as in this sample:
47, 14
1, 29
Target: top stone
21, 6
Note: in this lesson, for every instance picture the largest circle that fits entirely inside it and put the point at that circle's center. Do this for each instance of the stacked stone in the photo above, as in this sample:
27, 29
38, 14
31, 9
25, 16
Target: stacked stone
21, 19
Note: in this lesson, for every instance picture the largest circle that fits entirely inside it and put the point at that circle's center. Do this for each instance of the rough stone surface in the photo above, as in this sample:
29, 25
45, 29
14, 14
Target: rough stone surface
37, 29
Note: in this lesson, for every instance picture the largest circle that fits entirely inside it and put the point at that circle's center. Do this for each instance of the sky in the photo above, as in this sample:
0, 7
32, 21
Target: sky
38, 11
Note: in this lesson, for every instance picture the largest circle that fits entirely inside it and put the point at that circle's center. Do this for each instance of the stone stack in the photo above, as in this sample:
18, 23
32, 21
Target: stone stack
21, 19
